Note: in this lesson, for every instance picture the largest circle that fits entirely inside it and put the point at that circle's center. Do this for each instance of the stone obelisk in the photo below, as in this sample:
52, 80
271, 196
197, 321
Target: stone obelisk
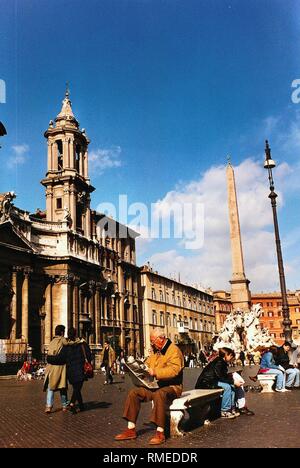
240, 293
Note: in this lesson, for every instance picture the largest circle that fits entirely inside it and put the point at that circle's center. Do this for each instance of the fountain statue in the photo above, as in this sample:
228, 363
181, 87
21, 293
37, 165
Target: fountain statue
241, 331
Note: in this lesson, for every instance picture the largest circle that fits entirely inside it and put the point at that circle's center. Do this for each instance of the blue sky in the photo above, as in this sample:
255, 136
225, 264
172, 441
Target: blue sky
165, 88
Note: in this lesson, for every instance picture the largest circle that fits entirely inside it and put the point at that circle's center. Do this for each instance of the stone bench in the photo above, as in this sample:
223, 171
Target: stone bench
196, 403
266, 381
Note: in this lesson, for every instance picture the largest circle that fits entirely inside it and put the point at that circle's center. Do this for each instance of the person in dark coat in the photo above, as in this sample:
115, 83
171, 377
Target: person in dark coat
242, 358
215, 375
75, 360
282, 359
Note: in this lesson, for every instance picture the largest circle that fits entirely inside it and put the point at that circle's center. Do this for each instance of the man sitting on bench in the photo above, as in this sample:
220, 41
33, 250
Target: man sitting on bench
166, 364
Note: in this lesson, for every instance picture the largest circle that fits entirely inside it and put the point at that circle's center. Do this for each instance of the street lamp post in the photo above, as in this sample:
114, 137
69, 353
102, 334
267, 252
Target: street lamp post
269, 165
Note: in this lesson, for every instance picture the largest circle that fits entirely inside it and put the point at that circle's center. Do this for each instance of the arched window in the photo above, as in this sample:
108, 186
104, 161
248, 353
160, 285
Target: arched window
77, 158
59, 155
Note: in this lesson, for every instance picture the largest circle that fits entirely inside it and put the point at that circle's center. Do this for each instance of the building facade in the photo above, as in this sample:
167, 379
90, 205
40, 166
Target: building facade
271, 316
185, 313
68, 264
222, 307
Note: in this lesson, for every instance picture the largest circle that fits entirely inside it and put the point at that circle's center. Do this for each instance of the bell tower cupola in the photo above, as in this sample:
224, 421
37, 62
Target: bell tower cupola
67, 180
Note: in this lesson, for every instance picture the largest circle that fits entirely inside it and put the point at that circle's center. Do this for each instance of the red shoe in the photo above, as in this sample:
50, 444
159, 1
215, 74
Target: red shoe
158, 439
126, 435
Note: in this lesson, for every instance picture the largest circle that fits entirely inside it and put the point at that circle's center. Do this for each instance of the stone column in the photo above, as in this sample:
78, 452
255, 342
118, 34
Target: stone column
73, 206
81, 168
87, 220
14, 305
76, 306
25, 304
60, 301
85, 164
48, 312
70, 303
122, 338
131, 298
49, 201
50, 162
105, 307
97, 315
102, 311
121, 304
54, 156
93, 315
66, 162
72, 153
240, 294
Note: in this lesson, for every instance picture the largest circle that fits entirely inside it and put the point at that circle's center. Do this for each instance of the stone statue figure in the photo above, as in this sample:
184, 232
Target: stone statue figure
67, 216
242, 331
6, 205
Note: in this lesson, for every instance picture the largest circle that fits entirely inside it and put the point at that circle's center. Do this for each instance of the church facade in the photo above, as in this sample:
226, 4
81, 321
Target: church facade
68, 264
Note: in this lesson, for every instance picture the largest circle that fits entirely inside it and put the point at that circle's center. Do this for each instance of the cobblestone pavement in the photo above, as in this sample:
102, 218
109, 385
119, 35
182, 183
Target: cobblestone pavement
23, 422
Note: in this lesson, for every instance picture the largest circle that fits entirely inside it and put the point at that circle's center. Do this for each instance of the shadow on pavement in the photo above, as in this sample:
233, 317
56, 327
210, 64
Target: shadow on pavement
91, 405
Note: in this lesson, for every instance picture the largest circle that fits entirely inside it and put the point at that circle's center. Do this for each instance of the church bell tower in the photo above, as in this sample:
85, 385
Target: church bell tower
67, 181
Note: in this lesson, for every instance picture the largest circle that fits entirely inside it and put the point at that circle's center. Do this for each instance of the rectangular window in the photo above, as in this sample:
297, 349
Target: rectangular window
58, 203
270, 313
174, 321
162, 323
154, 318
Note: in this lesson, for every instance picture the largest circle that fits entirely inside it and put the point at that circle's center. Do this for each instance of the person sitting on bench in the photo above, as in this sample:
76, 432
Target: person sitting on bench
215, 375
166, 364
292, 373
268, 366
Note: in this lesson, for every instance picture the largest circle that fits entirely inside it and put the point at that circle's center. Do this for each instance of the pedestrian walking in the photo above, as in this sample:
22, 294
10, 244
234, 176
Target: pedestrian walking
56, 374
76, 356
242, 358
107, 358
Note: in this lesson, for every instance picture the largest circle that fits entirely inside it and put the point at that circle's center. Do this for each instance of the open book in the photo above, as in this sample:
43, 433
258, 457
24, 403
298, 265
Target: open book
139, 374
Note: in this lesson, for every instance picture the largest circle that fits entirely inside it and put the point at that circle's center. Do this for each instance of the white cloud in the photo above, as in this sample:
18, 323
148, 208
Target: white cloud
105, 158
211, 265
19, 155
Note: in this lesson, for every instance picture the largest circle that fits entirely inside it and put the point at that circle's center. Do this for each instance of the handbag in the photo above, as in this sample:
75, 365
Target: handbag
87, 366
